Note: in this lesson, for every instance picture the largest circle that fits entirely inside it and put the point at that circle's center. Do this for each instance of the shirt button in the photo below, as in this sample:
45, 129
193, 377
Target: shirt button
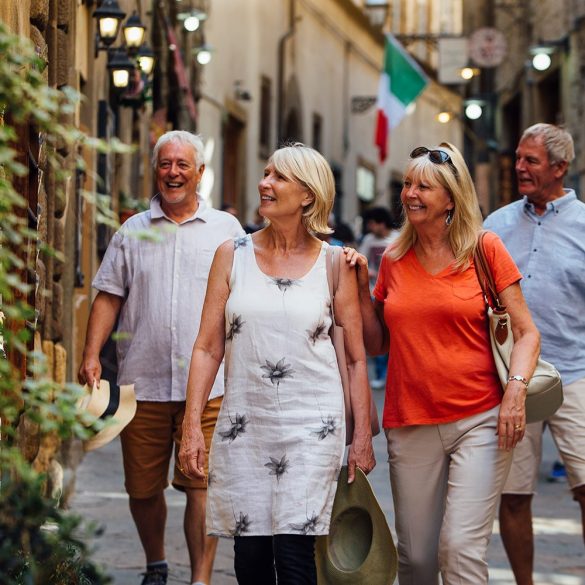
529, 276
535, 250
539, 223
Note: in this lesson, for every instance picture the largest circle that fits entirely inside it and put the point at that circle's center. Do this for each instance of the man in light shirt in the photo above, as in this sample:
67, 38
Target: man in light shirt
545, 234
154, 277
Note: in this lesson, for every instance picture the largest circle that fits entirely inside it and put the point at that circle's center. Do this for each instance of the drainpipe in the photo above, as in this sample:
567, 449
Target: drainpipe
280, 74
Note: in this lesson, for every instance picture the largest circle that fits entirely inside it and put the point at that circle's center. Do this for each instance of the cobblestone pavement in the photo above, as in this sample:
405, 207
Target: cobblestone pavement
100, 496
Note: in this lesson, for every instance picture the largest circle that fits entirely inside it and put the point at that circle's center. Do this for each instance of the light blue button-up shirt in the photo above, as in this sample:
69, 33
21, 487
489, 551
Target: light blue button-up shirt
549, 250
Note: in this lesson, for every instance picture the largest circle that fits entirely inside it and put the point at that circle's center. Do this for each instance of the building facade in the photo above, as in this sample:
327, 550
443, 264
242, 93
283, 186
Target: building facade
284, 70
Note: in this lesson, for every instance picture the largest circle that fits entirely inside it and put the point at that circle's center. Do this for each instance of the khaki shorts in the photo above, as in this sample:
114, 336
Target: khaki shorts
567, 427
148, 442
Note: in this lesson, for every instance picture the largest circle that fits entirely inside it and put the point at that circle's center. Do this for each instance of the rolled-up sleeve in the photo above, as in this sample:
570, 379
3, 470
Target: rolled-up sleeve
112, 275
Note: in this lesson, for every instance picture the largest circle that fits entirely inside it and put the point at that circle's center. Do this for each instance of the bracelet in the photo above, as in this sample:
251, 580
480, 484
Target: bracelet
518, 379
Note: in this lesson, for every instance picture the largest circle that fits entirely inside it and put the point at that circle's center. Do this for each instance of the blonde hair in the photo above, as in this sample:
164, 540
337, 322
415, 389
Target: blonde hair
466, 222
304, 165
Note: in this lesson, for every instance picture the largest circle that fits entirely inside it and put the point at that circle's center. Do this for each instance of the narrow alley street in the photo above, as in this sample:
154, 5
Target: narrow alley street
100, 496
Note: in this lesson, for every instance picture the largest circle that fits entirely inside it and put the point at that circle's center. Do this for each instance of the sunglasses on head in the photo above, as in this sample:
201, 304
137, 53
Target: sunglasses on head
436, 156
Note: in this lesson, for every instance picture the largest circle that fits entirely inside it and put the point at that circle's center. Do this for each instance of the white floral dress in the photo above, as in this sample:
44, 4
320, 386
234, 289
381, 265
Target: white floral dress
280, 436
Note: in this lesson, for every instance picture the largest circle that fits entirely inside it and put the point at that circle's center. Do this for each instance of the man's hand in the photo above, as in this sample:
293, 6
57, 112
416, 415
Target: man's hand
90, 371
102, 318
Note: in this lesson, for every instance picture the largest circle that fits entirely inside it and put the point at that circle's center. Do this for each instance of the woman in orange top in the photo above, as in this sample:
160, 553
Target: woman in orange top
449, 426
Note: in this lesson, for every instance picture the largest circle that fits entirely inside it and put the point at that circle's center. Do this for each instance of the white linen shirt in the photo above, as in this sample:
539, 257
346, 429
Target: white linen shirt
161, 268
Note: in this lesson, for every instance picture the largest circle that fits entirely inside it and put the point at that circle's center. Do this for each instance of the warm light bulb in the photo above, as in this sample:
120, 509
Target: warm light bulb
467, 73
121, 77
146, 64
134, 36
444, 117
108, 27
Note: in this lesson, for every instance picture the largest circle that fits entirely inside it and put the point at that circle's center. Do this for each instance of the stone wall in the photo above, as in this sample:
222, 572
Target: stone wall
50, 25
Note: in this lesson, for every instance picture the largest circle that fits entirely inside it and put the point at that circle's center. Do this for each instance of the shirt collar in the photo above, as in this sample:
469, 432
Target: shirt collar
202, 213
555, 205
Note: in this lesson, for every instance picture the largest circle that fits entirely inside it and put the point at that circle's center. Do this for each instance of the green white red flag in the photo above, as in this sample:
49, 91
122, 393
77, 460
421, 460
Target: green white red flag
401, 82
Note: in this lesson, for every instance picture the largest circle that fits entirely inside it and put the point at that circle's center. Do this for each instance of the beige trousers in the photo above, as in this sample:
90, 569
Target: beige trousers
446, 481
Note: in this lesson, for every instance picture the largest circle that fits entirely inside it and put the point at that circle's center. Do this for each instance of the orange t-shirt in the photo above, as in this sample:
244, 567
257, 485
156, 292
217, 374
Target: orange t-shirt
441, 366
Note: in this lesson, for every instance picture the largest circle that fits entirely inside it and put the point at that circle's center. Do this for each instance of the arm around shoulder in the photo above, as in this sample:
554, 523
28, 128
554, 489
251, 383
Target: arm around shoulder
348, 315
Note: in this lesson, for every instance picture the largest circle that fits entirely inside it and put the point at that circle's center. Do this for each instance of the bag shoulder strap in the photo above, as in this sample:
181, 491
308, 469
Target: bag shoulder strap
332, 260
485, 277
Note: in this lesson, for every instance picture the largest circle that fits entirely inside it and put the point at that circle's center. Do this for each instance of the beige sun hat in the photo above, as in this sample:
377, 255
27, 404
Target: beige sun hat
115, 405
359, 548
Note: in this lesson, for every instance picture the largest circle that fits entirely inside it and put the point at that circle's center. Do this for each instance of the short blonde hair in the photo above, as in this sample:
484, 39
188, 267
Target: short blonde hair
466, 222
304, 165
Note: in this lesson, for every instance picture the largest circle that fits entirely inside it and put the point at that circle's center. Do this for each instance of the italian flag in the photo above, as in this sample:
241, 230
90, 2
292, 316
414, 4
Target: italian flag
401, 82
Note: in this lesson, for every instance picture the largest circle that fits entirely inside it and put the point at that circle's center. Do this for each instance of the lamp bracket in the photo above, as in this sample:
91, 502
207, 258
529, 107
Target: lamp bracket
361, 104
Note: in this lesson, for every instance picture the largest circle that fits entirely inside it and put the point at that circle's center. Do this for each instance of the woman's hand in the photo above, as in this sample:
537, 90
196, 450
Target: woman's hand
512, 416
361, 454
192, 451
359, 261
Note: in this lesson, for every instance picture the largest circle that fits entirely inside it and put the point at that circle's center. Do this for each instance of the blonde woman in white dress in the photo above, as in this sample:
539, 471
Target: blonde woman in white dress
280, 437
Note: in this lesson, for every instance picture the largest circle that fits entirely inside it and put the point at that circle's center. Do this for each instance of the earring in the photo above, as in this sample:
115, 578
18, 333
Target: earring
449, 218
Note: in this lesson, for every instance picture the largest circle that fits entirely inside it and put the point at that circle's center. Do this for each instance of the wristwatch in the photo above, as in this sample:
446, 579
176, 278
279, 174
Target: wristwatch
518, 379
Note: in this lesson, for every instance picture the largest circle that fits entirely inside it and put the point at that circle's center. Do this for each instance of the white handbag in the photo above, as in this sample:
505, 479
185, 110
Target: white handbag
545, 389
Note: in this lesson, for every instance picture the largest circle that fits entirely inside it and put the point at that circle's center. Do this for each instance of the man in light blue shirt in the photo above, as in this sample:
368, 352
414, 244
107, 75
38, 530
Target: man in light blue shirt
545, 234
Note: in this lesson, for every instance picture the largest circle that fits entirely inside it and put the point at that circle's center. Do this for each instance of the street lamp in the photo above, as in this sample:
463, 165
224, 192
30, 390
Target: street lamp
120, 65
145, 58
191, 20
473, 110
134, 32
444, 117
468, 73
541, 57
203, 54
108, 16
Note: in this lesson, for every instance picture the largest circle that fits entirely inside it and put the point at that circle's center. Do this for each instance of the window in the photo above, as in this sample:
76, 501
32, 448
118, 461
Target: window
317, 128
265, 112
365, 183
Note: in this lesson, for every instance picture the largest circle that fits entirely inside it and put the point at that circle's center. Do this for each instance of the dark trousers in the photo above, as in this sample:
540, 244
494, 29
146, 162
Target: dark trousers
288, 559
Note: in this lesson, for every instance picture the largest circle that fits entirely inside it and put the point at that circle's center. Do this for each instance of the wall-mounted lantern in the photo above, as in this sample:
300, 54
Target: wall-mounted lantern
192, 20
108, 16
145, 58
121, 66
134, 32
203, 54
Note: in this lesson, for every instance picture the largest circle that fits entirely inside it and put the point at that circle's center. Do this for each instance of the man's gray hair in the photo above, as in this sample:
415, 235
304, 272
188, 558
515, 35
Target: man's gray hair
558, 143
183, 137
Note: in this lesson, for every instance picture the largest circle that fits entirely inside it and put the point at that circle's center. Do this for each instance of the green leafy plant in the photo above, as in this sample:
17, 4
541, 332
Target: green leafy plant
39, 544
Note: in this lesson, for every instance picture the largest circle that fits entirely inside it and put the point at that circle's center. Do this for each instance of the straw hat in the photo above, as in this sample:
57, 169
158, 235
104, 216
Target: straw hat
359, 547
114, 405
